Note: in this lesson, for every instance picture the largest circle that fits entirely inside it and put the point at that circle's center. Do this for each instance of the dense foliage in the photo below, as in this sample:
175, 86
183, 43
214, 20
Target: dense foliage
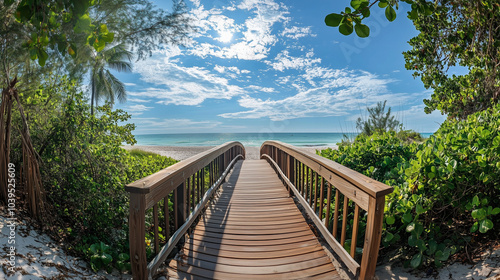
62, 25
143, 26
377, 156
446, 189
460, 33
84, 170
71, 166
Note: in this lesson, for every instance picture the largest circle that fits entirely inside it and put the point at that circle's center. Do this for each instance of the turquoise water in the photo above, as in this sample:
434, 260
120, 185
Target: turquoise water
247, 139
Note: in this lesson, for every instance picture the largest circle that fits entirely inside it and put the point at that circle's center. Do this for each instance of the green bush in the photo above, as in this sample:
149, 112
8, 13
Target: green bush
446, 189
379, 156
99, 256
85, 170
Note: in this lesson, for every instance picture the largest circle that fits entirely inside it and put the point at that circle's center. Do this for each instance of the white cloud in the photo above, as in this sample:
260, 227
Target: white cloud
129, 84
231, 71
220, 69
255, 35
283, 80
138, 108
262, 89
312, 90
337, 97
138, 100
296, 32
181, 85
224, 26
285, 61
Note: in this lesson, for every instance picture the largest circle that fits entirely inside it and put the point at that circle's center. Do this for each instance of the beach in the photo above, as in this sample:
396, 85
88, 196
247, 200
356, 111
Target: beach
184, 152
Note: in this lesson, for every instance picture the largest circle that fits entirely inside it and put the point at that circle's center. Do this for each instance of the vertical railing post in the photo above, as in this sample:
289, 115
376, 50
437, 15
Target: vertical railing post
167, 218
373, 235
210, 174
291, 171
180, 212
280, 164
155, 218
137, 236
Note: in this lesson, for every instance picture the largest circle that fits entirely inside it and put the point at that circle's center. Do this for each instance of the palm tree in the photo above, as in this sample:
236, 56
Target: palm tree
105, 85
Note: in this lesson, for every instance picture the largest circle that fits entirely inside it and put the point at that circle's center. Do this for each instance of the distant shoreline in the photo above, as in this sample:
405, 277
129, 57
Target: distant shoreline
184, 152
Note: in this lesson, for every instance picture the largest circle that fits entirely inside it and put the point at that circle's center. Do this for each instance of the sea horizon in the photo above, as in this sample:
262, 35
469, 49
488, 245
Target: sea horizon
300, 139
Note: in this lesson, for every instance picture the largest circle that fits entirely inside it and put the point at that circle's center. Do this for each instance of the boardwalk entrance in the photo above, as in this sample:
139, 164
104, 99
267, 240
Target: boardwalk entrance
242, 223
253, 230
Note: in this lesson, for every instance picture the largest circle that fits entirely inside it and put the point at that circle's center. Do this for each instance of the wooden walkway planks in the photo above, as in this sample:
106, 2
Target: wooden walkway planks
252, 231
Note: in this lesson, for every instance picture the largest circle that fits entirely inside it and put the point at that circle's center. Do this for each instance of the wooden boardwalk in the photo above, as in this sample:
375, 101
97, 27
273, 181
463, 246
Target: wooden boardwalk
252, 231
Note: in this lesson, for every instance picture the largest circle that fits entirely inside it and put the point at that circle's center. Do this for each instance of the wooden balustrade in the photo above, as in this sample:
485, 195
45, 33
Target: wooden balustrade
319, 183
188, 185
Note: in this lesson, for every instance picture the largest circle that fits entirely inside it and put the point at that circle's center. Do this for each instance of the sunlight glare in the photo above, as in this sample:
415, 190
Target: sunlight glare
225, 36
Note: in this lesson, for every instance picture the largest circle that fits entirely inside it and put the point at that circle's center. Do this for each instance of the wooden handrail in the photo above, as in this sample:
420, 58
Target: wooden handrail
314, 179
184, 184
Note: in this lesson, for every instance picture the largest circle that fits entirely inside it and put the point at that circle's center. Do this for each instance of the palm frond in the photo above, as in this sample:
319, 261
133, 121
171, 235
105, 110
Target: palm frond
120, 66
118, 88
104, 90
107, 86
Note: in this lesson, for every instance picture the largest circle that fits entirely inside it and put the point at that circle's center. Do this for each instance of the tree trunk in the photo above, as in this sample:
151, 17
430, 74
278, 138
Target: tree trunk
93, 94
5, 128
34, 192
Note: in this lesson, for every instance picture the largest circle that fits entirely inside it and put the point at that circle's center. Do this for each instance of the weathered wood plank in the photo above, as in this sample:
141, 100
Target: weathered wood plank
301, 274
334, 244
257, 262
290, 240
254, 255
253, 230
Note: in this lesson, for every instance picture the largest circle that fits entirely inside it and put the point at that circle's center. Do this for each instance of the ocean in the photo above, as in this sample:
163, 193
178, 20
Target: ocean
247, 139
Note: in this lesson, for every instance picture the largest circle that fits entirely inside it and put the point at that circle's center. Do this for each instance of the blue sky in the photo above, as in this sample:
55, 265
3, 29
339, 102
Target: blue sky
273, 66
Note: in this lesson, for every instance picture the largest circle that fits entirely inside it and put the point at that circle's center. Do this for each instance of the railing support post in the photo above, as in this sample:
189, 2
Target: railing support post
291, 171
180, 212
372, 237
137, 236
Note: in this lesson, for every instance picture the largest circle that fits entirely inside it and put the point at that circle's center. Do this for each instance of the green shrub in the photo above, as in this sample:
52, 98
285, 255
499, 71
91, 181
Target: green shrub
409, 136
141, 153
100, 256
85, 170
379, 156
446, 189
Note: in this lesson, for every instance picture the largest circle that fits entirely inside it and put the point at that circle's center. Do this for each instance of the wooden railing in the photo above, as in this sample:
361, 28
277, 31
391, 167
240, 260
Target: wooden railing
188, 185
314, 181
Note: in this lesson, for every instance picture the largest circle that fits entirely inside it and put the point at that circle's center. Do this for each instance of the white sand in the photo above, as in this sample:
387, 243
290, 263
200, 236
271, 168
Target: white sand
38, 256
181, 153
